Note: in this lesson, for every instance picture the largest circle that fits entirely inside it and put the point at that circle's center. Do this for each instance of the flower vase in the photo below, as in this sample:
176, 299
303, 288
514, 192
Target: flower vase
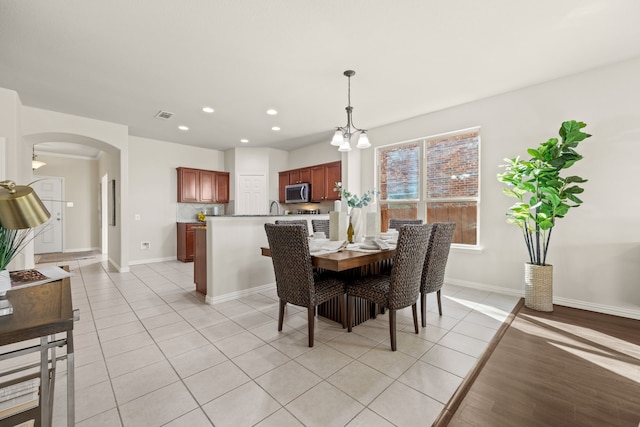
357, 221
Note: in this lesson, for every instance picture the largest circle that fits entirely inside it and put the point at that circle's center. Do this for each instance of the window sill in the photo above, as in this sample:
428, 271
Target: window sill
470, 249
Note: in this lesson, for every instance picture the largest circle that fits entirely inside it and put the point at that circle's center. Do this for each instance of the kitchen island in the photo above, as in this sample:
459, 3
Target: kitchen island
235, 265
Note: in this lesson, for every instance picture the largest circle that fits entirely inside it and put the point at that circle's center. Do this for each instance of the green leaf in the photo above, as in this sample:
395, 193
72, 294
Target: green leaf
573, 190
574, 199
562, 210
571, 179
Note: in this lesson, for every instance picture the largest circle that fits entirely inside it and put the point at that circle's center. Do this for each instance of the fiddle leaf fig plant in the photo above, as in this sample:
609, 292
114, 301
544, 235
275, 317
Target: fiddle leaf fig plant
543, 194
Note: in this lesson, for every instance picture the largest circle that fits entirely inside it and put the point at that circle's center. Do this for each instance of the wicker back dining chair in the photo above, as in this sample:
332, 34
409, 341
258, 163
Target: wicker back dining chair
302, 222
320, 225
435, 263
400, 289
296, 282
399, 222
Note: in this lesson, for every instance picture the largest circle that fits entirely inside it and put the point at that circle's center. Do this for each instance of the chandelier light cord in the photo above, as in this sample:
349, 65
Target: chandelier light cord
343, 134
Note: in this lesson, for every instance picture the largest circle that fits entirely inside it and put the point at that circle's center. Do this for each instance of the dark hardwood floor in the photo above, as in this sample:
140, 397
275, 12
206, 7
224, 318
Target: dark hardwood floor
566, 368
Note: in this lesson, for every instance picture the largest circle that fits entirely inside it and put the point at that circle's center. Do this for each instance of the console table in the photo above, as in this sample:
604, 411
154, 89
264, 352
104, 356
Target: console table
39, 312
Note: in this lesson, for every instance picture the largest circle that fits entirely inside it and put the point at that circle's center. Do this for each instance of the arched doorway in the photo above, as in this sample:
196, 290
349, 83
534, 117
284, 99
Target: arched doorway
112, 163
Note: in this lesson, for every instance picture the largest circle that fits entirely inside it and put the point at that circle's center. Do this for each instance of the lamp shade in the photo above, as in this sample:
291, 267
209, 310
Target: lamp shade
346, 146
338, 138
20, 207
35, 164
363, 141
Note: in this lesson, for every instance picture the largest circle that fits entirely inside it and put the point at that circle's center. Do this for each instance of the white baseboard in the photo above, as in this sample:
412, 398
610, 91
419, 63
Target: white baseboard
118, 267
151, 260
238, 294
567, 302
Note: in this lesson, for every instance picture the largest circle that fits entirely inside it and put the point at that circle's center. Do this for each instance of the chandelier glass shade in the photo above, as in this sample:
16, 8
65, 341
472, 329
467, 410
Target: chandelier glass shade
35, 163
342, 136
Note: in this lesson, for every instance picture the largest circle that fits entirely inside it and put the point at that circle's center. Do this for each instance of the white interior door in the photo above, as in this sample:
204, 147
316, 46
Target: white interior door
252, 195
49, 238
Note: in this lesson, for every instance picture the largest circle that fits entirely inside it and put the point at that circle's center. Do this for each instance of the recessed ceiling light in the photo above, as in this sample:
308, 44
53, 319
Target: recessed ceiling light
271, 112
183, 128
207, 109
275, 128
244, 141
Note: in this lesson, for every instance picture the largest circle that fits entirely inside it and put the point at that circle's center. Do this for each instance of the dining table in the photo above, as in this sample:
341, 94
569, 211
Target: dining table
350, 264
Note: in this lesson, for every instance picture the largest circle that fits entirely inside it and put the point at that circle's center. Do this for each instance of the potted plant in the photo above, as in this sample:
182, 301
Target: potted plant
543, 197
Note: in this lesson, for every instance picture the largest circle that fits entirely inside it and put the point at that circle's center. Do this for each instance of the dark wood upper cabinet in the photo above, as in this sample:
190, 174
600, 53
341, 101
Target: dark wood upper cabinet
208, 187
323, 181
202, 186
188, 185
321, 177
332, 174
317, 183
305, 175
222, 187
283, 181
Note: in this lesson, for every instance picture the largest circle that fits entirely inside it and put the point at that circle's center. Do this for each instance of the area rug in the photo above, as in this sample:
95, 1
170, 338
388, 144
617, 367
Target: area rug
64, 256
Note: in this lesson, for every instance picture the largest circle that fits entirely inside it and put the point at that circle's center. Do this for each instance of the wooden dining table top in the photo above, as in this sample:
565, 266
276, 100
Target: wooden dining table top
344, 260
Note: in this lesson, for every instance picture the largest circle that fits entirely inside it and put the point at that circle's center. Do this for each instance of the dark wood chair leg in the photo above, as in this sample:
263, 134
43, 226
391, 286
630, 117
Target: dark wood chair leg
283, 303
392, 328
439, 302
343, 311
414, 308
311, 318
349, 313
423, 308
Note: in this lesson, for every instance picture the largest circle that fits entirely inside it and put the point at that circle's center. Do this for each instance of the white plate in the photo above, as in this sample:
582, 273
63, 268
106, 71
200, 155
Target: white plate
363, 246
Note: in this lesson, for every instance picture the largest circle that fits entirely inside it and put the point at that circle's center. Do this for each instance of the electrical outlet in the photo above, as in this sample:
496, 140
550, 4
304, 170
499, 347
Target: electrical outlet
145, 245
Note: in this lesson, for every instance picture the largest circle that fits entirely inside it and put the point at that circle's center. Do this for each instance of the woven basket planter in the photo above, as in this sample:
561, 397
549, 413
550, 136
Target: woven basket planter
538, 287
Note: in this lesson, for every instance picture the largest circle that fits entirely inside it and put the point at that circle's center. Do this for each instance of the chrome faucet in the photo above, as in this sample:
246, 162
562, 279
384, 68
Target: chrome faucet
277, 207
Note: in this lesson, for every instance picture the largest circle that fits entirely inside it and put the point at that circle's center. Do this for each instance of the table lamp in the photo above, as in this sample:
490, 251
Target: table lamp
20, 210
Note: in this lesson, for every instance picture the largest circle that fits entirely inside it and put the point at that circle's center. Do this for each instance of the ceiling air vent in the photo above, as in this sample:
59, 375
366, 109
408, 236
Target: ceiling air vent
164, 115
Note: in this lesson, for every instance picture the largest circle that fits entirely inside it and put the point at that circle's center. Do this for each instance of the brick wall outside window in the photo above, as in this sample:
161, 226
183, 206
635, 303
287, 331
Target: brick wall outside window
450, 180
452, 166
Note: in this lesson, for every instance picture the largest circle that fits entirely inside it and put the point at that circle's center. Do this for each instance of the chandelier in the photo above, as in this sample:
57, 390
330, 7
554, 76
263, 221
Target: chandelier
35, 163
342, 137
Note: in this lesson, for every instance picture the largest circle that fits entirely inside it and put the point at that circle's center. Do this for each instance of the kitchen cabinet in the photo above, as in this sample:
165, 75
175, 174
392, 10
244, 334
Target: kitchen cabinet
321, 177
283, 181
323, 181
202, 186
222, 187
186, 240
200, 259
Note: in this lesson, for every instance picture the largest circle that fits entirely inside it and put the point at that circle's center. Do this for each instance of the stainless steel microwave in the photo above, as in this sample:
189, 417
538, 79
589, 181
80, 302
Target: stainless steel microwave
297, 193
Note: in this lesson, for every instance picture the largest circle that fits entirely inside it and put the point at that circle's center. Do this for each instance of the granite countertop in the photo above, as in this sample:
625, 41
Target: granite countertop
290, 215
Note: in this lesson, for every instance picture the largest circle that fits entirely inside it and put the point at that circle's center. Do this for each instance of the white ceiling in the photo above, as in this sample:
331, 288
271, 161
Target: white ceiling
122, 61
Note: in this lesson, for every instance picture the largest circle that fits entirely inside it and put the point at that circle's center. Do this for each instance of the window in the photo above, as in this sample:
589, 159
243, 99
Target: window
442, 188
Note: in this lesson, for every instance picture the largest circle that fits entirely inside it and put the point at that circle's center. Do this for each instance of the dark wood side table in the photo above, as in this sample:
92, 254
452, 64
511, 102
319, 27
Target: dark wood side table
40, 312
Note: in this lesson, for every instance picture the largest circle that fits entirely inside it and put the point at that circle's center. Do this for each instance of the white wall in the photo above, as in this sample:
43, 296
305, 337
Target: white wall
49, 126
153, 181
9, 119
315, 154
595, 250
81, 181
278, 161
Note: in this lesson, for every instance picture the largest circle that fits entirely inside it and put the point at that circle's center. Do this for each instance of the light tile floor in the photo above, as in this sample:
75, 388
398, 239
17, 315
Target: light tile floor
150, 352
